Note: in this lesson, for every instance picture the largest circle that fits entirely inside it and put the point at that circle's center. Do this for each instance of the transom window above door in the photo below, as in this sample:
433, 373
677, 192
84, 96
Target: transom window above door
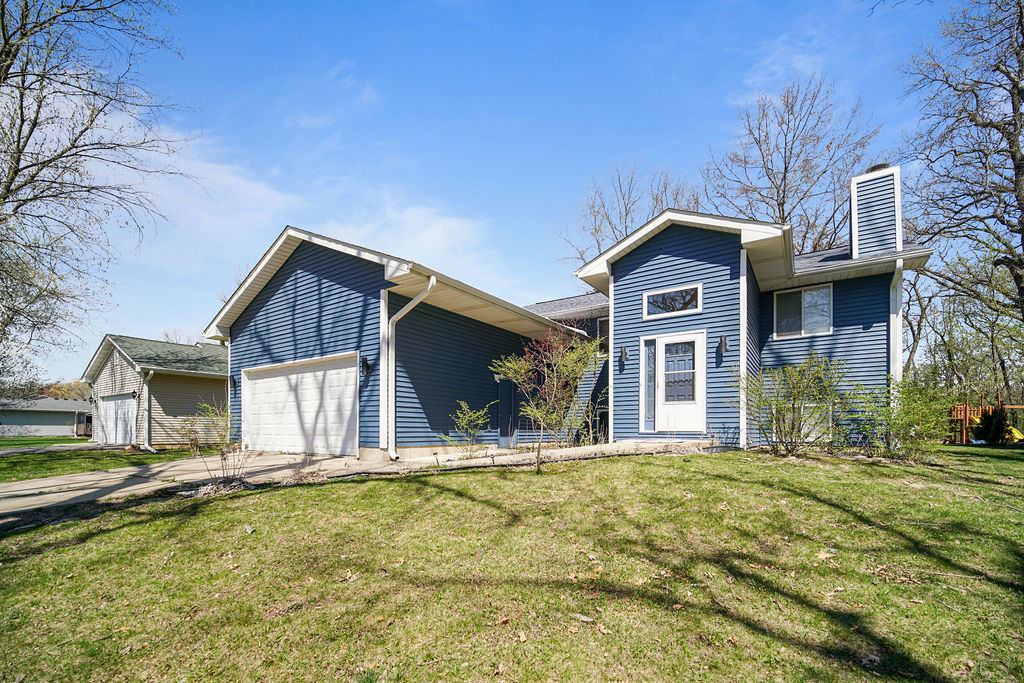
663, 303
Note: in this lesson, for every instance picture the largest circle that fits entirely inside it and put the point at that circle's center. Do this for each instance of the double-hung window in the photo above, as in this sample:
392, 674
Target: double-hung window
673, 301
803, 312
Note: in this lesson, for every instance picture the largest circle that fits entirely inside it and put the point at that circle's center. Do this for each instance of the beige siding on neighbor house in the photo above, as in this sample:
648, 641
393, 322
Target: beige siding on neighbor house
118, 376
178, 396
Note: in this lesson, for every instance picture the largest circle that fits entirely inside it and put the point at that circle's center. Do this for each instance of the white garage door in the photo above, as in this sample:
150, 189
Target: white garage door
303, 407
117, 419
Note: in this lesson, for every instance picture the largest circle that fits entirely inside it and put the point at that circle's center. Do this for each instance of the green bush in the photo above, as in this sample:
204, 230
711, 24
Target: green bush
469, 424
993, 427
802, 407
908, 419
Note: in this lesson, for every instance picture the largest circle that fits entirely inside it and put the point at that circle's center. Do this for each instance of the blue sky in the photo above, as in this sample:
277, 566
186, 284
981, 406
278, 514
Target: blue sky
461, 134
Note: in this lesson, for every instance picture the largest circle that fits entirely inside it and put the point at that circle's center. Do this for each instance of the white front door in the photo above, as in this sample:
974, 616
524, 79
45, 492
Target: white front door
117, 419
681, 386
303, 407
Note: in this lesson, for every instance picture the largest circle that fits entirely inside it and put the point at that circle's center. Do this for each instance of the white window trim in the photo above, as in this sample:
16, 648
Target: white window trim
657, 316
802, 334
642, 376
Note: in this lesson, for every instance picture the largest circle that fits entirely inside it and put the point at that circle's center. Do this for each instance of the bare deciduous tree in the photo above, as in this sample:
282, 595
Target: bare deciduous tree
78, 132
177, 335
614, 209
792, 162
970, 151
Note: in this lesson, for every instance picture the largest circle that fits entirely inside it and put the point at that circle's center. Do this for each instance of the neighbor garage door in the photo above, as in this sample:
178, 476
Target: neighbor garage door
304, 407
117, 419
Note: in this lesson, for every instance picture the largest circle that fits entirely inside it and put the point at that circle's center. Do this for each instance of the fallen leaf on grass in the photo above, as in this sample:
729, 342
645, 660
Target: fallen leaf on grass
581, 617
677, 606
824, 555
522, 637
573, 628
603, 630
502, 620
249, 529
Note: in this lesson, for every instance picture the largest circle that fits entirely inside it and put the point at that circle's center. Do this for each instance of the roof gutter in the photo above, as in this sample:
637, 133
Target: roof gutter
897, 258
392, 364
149, 412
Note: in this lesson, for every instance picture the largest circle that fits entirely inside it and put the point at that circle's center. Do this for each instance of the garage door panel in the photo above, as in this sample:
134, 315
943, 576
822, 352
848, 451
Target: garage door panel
308, 407
117, 419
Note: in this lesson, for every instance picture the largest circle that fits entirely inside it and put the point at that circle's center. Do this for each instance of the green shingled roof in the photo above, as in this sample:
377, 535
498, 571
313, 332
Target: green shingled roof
150, 354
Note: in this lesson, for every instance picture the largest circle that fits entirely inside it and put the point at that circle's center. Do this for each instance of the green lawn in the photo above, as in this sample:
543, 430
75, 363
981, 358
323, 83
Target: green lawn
35, 465
730, 566
34, 441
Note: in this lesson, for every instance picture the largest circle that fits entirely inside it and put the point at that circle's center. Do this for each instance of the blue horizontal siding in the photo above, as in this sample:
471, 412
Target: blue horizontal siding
876, 215
753, 343
860, 322
320, 302
679, 255
442, 358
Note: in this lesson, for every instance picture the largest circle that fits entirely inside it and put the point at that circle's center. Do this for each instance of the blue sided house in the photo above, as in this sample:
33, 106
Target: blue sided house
339, 349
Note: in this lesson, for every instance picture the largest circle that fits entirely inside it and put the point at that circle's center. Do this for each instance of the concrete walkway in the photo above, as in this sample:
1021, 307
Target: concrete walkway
57, 448
88, 487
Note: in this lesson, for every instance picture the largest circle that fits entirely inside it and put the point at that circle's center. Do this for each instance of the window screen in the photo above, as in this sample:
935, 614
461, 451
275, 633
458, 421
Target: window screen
803, 311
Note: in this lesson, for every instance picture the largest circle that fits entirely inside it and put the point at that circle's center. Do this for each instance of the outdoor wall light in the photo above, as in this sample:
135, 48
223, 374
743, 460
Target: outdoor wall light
92, 400
135, 393
623, 355
364, 365
233, 381
723, 344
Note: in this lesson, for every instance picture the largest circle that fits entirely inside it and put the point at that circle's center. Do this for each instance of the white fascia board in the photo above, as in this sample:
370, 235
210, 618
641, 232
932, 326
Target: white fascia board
102, 351
851, 268
517, 311
220, 327
597, 271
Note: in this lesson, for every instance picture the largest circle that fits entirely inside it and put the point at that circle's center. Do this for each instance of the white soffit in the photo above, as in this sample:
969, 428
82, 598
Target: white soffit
410, 278
596, 272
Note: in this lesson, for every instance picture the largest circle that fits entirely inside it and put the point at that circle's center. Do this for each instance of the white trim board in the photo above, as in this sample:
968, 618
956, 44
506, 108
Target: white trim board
742, 370
699, 286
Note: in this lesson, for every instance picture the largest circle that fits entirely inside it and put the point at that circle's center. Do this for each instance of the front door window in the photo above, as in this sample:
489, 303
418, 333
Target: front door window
679, 372
680, 403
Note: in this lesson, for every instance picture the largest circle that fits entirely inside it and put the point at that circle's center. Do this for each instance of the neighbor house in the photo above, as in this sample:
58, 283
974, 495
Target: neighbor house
335, 348
45, 417
143, 389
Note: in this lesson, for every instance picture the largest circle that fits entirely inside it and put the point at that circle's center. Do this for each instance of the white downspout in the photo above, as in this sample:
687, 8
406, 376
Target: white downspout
149, 412
392, 402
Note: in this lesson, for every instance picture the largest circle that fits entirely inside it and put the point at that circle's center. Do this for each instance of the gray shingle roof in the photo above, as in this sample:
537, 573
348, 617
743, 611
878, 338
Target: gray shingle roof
49, 405
160, 355
592, 305
840, 255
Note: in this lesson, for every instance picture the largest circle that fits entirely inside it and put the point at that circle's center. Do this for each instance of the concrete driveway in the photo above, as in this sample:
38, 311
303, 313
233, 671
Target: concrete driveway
57, 448
87, 487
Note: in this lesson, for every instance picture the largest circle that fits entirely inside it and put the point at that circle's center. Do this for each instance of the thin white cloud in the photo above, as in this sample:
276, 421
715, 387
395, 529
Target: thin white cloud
229, 215
309, 121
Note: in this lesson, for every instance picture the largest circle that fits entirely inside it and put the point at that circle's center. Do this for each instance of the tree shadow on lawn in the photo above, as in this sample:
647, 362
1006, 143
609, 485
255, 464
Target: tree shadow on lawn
137, 506
858, 643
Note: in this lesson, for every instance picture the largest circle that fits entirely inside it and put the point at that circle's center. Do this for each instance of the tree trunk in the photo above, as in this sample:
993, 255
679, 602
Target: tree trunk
539, 442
